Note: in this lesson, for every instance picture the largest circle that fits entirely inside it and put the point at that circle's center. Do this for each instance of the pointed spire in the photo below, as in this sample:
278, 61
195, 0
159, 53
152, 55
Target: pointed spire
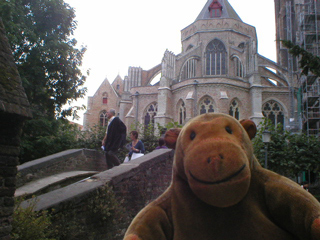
218, 9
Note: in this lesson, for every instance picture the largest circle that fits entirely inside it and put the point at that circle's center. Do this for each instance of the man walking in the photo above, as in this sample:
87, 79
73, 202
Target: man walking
114, 139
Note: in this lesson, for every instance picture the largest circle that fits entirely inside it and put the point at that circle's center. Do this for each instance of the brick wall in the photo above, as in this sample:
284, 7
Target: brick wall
9, 152
14, 110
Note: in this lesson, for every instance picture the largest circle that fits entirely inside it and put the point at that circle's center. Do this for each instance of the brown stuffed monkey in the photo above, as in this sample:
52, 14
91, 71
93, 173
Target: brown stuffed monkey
219, 191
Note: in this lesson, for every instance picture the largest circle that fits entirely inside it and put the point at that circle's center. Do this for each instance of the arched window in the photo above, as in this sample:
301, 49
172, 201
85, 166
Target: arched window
234, 109
182, 112
215, 56
189, 69
238, 67
151, 112
206, 105
103, 118
273, 111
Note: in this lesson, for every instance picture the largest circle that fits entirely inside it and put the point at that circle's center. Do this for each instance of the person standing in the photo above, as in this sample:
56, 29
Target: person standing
114, 139
162, 144
136, 146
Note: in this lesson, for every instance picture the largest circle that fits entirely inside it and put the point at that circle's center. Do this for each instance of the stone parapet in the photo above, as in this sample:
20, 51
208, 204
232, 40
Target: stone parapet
69, 160
134, 185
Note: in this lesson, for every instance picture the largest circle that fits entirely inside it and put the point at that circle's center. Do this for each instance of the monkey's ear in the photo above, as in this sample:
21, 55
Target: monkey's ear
250, 127
171, 137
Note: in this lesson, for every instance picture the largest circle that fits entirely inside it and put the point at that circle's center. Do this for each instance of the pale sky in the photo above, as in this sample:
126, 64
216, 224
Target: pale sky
119, 34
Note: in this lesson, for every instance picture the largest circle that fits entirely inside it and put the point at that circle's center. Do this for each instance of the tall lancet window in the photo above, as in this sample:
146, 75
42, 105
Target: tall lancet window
151, 112
215, 56
234, 109
181, 112
103, 118
215, 9
238, 67
189, 69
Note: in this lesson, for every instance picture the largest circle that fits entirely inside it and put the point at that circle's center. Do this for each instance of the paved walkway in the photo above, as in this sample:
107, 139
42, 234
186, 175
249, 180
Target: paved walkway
37, 185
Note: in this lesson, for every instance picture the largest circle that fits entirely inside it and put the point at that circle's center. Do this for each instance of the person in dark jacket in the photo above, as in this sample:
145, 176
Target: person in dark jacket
114, 139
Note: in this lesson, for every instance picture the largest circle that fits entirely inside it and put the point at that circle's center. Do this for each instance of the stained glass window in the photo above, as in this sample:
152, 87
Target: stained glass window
215, 57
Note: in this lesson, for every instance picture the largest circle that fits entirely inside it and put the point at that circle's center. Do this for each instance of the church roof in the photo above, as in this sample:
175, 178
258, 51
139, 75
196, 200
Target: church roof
227, 11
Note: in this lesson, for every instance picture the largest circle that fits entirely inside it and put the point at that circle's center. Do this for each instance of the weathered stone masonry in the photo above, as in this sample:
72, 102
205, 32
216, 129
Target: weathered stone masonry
134, 184
69, 160
14, 109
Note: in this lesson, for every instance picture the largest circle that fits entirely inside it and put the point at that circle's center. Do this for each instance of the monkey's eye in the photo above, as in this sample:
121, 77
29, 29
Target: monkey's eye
228, 129
192, 135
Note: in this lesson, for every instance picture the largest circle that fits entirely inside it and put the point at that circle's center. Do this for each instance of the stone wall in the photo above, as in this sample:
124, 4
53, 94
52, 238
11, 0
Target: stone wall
134, 184
14, 110
69, 160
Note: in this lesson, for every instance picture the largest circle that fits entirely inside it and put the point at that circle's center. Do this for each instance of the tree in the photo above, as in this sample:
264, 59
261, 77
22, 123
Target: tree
39, 33
304, 152
43, 137
308, 61
288, 154
277, 148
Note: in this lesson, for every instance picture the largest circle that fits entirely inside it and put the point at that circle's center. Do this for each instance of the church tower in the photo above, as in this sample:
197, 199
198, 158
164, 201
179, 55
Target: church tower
218, 70
219, 51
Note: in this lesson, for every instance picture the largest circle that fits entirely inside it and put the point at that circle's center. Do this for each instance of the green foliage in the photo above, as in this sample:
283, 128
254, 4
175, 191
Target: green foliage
97, 215
30, 225
277, 148
304, 151
67, 224
288, 154
101, 213
308, 61
43, 137
91, 138
39, 34
103, 206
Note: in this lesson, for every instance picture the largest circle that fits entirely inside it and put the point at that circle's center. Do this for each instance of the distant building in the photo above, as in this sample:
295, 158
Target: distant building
218, 70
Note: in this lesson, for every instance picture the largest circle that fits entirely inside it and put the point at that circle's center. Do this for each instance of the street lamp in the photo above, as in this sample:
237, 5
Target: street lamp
266, 137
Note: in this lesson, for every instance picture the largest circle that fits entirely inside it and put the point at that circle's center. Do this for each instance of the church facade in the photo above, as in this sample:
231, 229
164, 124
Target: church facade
218, 70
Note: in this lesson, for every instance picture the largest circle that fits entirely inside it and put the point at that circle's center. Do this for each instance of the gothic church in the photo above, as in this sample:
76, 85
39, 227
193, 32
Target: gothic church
218, 70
